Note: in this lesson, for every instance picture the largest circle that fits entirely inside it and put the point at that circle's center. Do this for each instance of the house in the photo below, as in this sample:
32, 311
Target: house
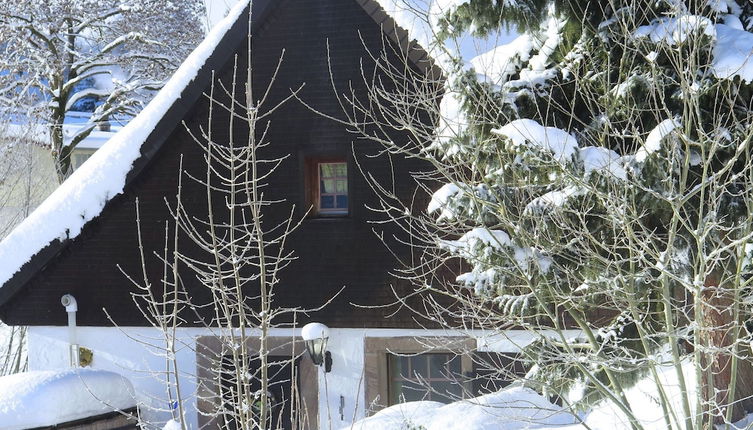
27, 168
83, 240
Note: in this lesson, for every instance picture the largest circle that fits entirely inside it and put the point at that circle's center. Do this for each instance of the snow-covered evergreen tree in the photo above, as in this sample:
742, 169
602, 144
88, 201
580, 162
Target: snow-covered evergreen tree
106, 56
596, 173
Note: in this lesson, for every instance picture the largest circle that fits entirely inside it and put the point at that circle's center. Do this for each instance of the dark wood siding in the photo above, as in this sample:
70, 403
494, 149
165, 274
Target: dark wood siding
331, 253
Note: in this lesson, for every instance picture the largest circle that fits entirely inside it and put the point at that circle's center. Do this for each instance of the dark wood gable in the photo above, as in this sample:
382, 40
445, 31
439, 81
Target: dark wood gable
331, 253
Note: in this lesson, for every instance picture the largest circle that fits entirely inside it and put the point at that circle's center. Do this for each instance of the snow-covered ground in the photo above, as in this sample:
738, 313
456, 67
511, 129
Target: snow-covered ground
510, 409
519, 408
44, 398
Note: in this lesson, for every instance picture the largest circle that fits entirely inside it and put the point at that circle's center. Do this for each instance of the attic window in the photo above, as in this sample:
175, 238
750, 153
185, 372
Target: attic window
328, 187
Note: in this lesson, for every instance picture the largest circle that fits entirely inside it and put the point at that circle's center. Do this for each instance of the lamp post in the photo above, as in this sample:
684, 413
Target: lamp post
315, 336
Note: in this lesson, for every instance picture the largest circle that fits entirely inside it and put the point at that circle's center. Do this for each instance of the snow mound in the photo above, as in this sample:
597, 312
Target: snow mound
82, 197
514, 408
479, 235
553, 199
45, 398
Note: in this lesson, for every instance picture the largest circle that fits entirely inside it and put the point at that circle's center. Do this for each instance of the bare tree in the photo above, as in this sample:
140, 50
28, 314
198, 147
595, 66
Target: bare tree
26, 178
59, 56
234, 253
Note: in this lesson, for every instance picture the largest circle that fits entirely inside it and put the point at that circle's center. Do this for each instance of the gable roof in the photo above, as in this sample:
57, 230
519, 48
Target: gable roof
83, 197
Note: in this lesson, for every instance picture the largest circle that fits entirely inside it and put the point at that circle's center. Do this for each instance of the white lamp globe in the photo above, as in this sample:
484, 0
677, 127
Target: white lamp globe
315, 330
315, 337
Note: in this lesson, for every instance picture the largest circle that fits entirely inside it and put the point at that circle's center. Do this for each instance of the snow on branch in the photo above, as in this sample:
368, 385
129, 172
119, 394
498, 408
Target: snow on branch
525, 132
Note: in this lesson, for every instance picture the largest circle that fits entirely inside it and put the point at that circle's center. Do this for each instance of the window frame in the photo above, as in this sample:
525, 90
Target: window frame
425, 382
377, 349
313, 187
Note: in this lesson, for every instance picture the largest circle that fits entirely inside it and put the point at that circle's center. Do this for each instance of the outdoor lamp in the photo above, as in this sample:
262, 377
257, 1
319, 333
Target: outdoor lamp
315, 336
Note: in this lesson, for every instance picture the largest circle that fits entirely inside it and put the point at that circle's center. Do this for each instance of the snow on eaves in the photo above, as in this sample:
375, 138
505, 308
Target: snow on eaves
420, 18
84, 194
413, 16
45, 398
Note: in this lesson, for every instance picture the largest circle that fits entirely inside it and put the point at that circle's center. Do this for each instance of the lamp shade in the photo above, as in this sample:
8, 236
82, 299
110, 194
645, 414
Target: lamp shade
315, 330
315, 336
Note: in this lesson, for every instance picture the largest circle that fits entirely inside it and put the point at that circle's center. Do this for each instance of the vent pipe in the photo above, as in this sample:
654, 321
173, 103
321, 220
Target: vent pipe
71, 307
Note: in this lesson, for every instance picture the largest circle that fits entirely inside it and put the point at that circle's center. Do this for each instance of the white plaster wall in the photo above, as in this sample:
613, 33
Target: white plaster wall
126, 351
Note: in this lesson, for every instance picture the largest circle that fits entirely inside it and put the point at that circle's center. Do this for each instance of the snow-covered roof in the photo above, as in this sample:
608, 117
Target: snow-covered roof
82, 197
46, 398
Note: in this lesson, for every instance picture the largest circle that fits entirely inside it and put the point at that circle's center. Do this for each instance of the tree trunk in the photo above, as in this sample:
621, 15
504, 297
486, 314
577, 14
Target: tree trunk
718, 332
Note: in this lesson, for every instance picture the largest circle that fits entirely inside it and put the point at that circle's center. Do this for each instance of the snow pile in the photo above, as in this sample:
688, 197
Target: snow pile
552, 39
452, 122
518, 408
551, 200
479, 235
45, 398
643, 398
477, 244
83, 196
563, 147
515, 408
